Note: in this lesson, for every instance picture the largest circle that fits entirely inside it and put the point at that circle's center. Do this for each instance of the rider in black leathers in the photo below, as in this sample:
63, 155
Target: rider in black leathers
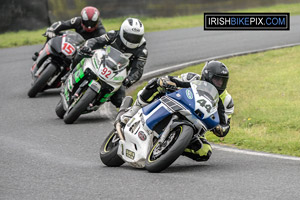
88, 25
130, 41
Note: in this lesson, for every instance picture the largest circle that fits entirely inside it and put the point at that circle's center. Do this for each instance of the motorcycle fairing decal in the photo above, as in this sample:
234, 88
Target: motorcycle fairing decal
130, 154
80, 64
173, 105
70, 83
67, 48
106, 73
119, 78
147, 109
106, 97
157, 115
33, 67
78, 75
142, 135
66, 93
181, 97
95, 63
47, 49
189, 94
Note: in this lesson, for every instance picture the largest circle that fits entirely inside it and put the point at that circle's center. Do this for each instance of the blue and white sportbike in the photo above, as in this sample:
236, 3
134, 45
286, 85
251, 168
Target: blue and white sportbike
158, 133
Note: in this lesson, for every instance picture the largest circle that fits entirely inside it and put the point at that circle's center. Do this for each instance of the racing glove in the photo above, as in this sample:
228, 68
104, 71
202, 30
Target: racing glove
127, 82
50, 33
221, 131
164, 82
86, 51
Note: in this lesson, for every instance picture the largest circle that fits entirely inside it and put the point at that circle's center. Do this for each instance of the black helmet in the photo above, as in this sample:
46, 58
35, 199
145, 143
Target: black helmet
217, 74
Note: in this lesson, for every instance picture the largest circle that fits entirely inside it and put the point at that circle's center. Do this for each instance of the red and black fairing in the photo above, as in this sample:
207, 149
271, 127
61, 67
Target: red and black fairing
52, 53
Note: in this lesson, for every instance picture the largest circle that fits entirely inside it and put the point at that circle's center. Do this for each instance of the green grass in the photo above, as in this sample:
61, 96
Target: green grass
266, 93
13, 39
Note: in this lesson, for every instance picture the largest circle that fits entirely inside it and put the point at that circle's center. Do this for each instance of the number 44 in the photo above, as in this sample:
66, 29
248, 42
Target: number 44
202, 103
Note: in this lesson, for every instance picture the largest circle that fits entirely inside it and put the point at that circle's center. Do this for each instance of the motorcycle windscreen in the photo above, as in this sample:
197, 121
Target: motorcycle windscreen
74, 38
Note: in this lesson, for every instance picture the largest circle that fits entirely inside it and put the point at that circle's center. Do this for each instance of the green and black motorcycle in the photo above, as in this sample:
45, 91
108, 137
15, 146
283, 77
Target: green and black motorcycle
91, 83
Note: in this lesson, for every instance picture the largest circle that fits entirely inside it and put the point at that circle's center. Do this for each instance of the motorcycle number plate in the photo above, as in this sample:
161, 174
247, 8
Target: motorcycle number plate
67, 49
105, 72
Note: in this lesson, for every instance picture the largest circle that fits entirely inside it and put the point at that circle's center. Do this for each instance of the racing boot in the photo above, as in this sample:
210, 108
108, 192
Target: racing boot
199, 149
138, 104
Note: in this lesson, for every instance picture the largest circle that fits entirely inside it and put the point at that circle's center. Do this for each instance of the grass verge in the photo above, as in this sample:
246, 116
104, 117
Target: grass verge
264, 87
13, 39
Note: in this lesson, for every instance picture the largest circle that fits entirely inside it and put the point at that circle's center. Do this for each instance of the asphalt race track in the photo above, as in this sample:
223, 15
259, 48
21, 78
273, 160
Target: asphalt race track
43, 158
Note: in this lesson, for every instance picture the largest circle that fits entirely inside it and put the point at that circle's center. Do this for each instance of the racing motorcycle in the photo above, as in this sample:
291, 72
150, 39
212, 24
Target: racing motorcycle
53, 61
91, 83
158, 133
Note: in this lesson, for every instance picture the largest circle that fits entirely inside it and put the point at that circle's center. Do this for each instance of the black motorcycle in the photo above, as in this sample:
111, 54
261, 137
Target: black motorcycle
53, 61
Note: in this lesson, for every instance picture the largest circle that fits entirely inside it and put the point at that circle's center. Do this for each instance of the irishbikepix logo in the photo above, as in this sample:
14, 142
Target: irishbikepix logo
246, 21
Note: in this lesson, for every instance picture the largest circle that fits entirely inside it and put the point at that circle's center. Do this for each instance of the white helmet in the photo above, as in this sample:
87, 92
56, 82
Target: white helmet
132, 32
189, 77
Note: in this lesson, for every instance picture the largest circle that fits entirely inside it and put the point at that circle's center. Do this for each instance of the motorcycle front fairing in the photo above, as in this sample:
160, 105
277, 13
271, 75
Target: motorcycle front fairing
51, 48
137, 143
140, 130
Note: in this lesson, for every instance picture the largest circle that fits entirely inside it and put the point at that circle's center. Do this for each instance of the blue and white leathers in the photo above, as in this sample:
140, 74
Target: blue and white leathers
197, 104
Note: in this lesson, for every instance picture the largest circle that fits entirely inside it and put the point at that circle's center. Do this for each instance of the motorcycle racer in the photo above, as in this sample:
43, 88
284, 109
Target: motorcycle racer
88, 25
129, 39
214, 72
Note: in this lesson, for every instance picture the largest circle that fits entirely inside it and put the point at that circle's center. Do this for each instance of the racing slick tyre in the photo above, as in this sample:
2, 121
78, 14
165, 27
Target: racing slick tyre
163, 154
40, 83
81, 105
109, 149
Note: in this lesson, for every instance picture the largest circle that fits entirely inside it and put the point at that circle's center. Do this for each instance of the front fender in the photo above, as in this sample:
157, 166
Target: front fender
94, 85
182, 122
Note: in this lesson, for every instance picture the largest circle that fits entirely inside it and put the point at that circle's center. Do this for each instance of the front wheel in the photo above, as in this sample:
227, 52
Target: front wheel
109, 150
80, 106
42, 80
163, 154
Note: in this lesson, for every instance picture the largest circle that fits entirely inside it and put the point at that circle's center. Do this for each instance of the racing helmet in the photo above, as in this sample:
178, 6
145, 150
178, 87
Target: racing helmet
189, 77
132, 32
216, 73
90, 17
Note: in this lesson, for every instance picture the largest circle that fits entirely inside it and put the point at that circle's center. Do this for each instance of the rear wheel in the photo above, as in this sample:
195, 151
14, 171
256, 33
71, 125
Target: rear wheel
60, 111
163, 154
80, 106
42, 80
109, 149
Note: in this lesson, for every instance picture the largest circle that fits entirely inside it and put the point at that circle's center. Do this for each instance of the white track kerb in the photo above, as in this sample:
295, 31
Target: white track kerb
173, 68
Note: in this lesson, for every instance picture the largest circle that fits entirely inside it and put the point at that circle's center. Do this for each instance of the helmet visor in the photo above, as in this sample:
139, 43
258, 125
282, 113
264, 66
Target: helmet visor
89, 23
132, 38
220, 82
